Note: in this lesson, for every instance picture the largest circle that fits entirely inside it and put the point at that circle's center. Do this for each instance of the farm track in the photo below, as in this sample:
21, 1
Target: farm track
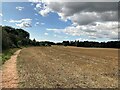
68, 67
9, 72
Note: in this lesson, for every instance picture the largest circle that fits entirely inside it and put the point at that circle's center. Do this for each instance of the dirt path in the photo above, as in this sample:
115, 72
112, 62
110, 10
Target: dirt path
9, 73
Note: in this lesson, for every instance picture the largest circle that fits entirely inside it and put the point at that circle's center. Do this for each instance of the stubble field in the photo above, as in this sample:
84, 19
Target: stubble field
67, 67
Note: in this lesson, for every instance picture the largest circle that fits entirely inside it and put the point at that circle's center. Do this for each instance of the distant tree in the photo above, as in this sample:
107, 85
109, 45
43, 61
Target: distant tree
65, 43
110, 44
34, 42
77, 43
59, 43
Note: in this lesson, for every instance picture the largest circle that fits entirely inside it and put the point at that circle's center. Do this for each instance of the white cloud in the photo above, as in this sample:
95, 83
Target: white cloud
81, 39
46, 34
37, 23
92, 31
34, 1
38, 5
42, 23
58, 36
55, 30
55, 35
21, 20
49, 40
42, 9
1, 14
36, 14
22, 23
66, 10
44, 12
19, 8
81, 12
93, 19
5, 20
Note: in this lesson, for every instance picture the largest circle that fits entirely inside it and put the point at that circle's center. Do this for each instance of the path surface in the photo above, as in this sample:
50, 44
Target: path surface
68, 67
9, 73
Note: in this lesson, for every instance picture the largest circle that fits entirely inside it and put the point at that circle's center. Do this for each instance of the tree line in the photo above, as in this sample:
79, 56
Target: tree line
15, 38
109, 44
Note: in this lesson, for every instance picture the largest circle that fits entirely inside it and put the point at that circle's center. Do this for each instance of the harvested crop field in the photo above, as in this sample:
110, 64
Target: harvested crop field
67, 67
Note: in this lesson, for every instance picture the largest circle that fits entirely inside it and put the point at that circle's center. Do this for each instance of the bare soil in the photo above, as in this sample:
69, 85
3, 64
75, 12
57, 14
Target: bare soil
67, 67
9, 72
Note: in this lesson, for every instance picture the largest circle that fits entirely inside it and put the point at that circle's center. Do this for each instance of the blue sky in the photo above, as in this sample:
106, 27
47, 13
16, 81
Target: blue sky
49, 24
38, 32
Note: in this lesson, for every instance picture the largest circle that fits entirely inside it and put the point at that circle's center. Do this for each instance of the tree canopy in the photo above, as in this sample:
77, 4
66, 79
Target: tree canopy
12, 37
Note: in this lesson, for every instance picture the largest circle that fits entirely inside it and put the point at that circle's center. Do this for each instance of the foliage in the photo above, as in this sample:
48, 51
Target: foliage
110, 44
14, 38
6, 54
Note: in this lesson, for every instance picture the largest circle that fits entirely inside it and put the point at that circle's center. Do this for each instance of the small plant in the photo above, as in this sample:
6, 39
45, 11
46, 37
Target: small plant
7, 54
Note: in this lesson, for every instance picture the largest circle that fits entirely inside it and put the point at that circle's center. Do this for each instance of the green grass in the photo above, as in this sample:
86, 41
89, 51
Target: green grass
6, 54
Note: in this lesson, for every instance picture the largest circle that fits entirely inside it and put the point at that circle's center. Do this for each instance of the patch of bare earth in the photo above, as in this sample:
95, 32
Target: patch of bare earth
68, 67
9, 72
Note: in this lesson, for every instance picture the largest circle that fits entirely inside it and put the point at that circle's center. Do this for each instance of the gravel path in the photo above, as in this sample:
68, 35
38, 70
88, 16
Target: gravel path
9, 73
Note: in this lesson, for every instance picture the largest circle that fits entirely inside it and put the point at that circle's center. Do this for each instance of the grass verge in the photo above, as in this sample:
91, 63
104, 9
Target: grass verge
6, 54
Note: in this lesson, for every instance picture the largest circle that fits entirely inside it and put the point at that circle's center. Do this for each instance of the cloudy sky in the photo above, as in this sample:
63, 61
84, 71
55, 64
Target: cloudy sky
58, 21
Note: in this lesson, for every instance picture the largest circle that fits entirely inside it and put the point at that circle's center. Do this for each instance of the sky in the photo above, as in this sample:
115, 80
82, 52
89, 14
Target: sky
60, 21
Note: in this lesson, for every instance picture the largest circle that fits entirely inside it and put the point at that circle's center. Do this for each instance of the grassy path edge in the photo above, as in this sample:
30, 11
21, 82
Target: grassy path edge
9, 72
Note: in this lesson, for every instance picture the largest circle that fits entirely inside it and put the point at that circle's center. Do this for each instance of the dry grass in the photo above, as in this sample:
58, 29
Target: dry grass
67, 67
